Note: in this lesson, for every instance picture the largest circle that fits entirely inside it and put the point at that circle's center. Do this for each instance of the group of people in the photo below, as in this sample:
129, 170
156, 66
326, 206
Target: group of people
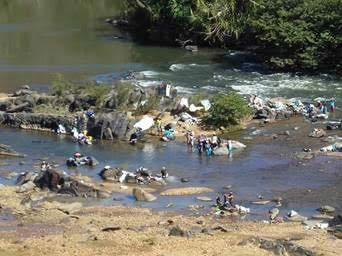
203, 143
141, 176
79, 159
82, 137
321, 107
226, 202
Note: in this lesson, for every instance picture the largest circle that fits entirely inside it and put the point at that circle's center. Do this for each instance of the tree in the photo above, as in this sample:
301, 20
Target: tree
227, 109
300, 34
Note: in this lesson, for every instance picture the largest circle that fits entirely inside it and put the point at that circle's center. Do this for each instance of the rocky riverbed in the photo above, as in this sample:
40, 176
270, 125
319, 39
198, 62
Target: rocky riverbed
31, 226
57, 207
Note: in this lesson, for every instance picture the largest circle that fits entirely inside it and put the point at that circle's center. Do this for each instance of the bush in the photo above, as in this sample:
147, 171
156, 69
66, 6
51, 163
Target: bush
227, 109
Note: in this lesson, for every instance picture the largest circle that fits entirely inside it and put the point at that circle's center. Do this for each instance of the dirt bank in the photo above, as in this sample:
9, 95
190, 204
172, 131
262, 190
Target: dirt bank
31, 227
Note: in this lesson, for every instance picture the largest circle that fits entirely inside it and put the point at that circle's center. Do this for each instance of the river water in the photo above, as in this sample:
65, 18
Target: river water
39, 38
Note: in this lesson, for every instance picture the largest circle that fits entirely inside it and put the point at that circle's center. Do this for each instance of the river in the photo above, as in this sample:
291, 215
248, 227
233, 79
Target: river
39, 38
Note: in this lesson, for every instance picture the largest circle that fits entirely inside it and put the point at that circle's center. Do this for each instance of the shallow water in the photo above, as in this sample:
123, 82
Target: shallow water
267, 167
36, 41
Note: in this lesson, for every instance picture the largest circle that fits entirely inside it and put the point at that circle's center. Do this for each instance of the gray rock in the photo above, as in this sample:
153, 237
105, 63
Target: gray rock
112, 174
327, 209
278, 247
322, 217
315, 224
184, 180
204, 198
141, 195
28, 186
274, 212
177, 231
296, 218
70, 208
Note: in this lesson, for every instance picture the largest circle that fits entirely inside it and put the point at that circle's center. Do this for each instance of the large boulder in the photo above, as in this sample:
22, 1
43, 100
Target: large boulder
111, 174
36, 120
327, 209
26, 187
110, 125
142, 195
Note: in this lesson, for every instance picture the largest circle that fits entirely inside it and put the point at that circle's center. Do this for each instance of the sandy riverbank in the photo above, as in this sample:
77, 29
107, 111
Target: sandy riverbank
51, 228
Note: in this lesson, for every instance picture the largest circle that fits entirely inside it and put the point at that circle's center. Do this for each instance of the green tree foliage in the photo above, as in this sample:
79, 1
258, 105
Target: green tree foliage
227, 109
300, 34
223, 19
287, 34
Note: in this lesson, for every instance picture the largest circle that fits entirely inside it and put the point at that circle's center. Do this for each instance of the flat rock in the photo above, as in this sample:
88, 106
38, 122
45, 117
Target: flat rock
297, 218
141, 195
70, 208
305, 155
316, 224
262, 202
28, 186
327, 209
186, 191
322, 217
204, 198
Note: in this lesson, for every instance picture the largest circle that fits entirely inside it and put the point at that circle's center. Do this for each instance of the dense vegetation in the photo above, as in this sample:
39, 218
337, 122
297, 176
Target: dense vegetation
286, 34
227, 109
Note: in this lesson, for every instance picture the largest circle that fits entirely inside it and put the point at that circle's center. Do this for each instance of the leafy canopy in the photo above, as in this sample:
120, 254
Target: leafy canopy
227, 109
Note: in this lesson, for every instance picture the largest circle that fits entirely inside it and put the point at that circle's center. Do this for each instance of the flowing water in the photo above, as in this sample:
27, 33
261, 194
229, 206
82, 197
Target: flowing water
39, 38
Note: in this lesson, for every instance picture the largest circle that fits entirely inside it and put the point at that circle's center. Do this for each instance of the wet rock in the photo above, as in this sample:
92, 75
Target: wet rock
184, 180
7, 151
294, 216
186, 191
204, 198
305, 155
111, 174
141, 195
261, 202
177, 231
327, 209
110, 125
